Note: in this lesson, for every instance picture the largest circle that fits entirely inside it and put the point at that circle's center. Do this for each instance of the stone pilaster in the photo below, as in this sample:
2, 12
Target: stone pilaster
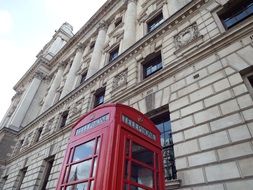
53, 88
98, 49
25, 102
69, 84
129, 37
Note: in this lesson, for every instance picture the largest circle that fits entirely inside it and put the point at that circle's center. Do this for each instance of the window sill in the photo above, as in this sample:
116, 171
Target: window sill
172, 184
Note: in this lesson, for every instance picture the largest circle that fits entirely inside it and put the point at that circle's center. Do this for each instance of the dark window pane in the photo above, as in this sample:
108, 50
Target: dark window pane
114, 54
142, 154
152, 66
83, 77
250, 78
155, 22
99, 98
84, 151
141, 175
118, 22
80, 171
235, 12
64, 118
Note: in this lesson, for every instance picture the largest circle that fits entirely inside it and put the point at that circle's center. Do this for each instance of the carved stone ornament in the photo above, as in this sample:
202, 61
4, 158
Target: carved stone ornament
186, 36
120, 80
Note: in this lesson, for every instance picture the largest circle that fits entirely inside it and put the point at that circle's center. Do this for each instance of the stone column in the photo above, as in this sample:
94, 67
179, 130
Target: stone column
25, 102
129, 37
98, 50
69, 84
52, 90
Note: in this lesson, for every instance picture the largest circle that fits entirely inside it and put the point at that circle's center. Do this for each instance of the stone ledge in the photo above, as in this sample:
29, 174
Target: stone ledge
172, 184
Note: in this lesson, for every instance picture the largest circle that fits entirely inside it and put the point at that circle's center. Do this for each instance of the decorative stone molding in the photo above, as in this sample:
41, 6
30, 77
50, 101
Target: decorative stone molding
40, 75
186, 36
103, 25
120, 80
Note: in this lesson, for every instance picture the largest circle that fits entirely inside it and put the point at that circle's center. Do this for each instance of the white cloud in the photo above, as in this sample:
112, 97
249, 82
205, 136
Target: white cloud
5, 22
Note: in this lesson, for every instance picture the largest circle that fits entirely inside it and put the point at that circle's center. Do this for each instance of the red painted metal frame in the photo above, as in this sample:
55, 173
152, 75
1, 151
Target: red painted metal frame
113, 134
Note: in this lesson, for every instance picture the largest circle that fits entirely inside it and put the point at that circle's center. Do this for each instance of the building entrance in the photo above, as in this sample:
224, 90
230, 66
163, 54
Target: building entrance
114, 147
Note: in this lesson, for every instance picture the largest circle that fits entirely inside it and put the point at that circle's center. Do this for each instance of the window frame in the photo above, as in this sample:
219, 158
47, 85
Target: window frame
226, 9
48, 162
148, 62
156, 116
154, 20
64, 118
21, 177
83, 79
115, 49
100, 92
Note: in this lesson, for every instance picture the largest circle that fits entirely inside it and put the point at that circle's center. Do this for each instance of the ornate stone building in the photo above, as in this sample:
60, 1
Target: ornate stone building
186, 64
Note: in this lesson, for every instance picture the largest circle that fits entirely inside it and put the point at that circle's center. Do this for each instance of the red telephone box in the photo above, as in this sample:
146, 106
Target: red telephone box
114, 147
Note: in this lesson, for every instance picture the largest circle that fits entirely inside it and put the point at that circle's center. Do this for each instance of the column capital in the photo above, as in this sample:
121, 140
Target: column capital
103, 25
80, 46
61, 65
39, 75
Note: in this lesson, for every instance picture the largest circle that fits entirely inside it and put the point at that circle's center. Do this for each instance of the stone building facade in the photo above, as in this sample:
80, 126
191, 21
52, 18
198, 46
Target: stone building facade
187, 64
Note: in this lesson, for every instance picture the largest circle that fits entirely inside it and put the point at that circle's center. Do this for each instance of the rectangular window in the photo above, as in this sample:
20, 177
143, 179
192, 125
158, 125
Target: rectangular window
152, 65
38, 135
21, 177
83, 77
163, 123
114, 54
99, 97
155, 22
47, 170
235, 12
4, 179
118, 22
64, 118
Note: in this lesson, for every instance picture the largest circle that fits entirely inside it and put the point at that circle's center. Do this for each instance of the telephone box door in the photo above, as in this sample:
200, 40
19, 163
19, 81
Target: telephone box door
141, 163
81, 166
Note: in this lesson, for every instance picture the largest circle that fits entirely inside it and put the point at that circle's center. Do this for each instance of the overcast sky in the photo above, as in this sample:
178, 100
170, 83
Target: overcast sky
25, 27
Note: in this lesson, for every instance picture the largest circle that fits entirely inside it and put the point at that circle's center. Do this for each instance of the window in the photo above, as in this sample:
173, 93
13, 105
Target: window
80, 171
83, 77
99, 97
162, 122
235, 12
4, 179
155, 22
39, 131
21, 177
47, 170
92, 45
64, 118
118, 22
114, 54
152, 65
